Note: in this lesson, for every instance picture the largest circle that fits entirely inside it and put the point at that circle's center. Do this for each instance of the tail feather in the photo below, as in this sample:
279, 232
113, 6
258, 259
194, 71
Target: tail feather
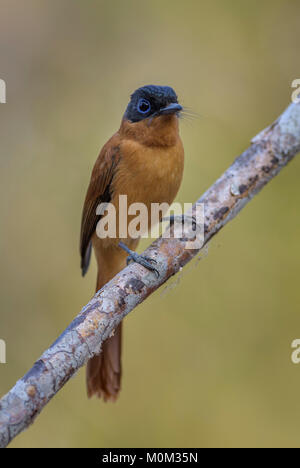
103, 373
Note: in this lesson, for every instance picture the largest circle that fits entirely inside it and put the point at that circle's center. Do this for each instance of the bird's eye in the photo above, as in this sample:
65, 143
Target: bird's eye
143, 106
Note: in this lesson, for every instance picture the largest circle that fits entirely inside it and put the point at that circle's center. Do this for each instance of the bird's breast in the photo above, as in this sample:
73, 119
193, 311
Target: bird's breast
149, 174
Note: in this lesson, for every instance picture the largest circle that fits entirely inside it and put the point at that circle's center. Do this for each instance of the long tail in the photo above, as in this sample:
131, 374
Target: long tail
103, 372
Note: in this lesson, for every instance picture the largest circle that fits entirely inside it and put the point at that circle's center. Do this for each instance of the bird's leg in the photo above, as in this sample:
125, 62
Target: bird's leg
142, 260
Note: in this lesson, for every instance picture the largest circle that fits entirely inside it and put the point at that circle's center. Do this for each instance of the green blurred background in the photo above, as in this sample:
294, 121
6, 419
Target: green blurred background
207, 361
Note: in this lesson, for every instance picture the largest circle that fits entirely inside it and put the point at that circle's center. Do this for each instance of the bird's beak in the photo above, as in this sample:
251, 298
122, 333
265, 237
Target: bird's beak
170, 109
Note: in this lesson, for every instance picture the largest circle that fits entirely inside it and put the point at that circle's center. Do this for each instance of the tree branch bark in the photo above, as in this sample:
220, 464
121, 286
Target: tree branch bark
269, 152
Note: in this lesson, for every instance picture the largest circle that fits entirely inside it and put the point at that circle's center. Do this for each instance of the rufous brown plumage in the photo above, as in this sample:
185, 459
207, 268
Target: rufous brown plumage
144, 160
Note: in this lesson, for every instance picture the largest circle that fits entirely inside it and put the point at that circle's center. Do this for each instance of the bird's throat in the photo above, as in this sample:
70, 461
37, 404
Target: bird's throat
161, 131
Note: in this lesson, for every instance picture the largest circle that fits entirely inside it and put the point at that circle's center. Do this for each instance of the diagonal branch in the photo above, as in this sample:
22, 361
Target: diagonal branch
269, 152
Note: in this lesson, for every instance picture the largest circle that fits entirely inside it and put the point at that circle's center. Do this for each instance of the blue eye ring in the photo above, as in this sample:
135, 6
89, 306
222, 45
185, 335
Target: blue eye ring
143, 106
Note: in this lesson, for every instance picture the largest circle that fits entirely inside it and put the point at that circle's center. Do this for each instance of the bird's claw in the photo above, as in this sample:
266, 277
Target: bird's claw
144, 261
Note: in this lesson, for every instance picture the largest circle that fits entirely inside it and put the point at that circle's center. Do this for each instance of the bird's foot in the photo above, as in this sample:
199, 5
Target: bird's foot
141, 259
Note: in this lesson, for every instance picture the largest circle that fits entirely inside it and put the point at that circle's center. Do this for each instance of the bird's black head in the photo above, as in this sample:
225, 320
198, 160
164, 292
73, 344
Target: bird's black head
152, 101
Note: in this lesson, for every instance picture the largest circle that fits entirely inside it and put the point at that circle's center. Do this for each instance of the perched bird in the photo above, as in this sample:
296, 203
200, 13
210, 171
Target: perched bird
144, 160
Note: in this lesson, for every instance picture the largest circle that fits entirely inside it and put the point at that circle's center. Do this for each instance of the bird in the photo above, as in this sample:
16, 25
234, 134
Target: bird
143, 160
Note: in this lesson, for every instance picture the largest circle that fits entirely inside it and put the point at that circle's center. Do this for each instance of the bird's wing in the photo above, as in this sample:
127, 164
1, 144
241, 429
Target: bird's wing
99, 191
